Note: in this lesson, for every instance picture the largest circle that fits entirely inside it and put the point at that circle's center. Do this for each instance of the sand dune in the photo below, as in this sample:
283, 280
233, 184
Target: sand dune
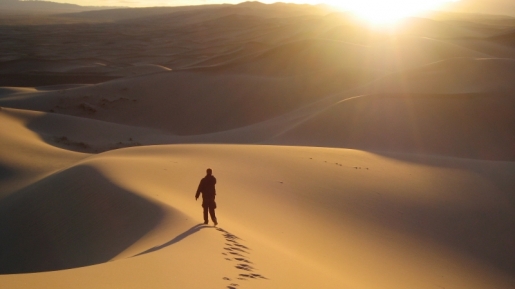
380, 57
346, 156
488, 47
40, 7
72, 211
79, 66
10, 91
470, 126
182, 37
445, 29
203, 107
506, 39
240, 52
86, 135
430, 110
196, 13
25, 157
458, 75
501, 7
38, 65
301, 57
330, 253
404, 52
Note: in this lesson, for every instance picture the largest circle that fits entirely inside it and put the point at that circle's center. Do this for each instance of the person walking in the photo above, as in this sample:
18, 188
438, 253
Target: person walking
208, 191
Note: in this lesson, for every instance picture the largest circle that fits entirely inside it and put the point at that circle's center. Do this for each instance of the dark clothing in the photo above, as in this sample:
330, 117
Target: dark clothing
211, 208
208, 191
207, 188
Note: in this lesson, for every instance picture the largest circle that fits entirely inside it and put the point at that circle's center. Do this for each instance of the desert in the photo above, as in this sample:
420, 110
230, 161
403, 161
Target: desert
347, 155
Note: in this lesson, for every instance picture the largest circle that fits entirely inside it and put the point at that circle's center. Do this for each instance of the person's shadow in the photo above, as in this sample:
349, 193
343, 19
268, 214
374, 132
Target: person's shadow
180, 237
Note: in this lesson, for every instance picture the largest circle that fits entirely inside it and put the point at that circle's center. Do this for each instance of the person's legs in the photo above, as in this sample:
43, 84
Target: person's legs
212, 213
206, 220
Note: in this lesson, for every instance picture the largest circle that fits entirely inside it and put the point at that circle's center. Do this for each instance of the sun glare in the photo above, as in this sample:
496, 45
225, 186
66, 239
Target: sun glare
387, 11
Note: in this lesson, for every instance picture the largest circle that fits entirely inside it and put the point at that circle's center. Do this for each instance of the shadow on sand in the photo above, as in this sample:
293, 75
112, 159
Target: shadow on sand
178, 238
72, 219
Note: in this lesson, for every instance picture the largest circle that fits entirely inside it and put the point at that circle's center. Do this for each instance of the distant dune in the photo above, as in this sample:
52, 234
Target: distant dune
186, 102
502, 7
463, 125
41, 7
506, 39
346, 156
451, 76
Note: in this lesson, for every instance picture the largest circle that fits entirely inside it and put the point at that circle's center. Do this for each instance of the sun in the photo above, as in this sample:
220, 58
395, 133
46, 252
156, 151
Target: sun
386, 11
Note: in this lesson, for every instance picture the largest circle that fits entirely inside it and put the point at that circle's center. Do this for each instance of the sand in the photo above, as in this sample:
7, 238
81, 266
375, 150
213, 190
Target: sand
346, 157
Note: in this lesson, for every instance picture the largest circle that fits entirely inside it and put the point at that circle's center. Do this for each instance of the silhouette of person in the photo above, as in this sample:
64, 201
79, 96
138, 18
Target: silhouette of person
207, 188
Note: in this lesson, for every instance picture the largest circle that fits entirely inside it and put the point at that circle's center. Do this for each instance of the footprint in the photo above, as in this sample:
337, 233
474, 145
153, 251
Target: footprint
236, 249
227, 278
242, 246
244, 267
239, 250
231, 237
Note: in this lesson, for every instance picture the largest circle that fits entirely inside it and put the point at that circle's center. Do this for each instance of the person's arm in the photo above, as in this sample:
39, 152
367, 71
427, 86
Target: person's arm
214, 183
199, 189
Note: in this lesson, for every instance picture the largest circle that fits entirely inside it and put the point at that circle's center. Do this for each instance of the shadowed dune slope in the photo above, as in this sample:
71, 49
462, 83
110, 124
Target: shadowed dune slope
40, 72
474, 126
505, 39
71, 219
457, 75
398, 53
378, 58
186, 102
241, 52
302, 57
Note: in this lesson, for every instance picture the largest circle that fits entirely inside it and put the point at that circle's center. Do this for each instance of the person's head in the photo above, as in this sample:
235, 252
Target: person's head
209, 172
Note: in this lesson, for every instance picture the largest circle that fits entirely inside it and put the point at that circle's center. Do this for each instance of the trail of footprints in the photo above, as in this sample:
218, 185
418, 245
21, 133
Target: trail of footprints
234, 251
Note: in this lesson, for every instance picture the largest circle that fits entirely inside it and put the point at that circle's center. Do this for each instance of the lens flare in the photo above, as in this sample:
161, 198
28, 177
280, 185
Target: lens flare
386, 11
